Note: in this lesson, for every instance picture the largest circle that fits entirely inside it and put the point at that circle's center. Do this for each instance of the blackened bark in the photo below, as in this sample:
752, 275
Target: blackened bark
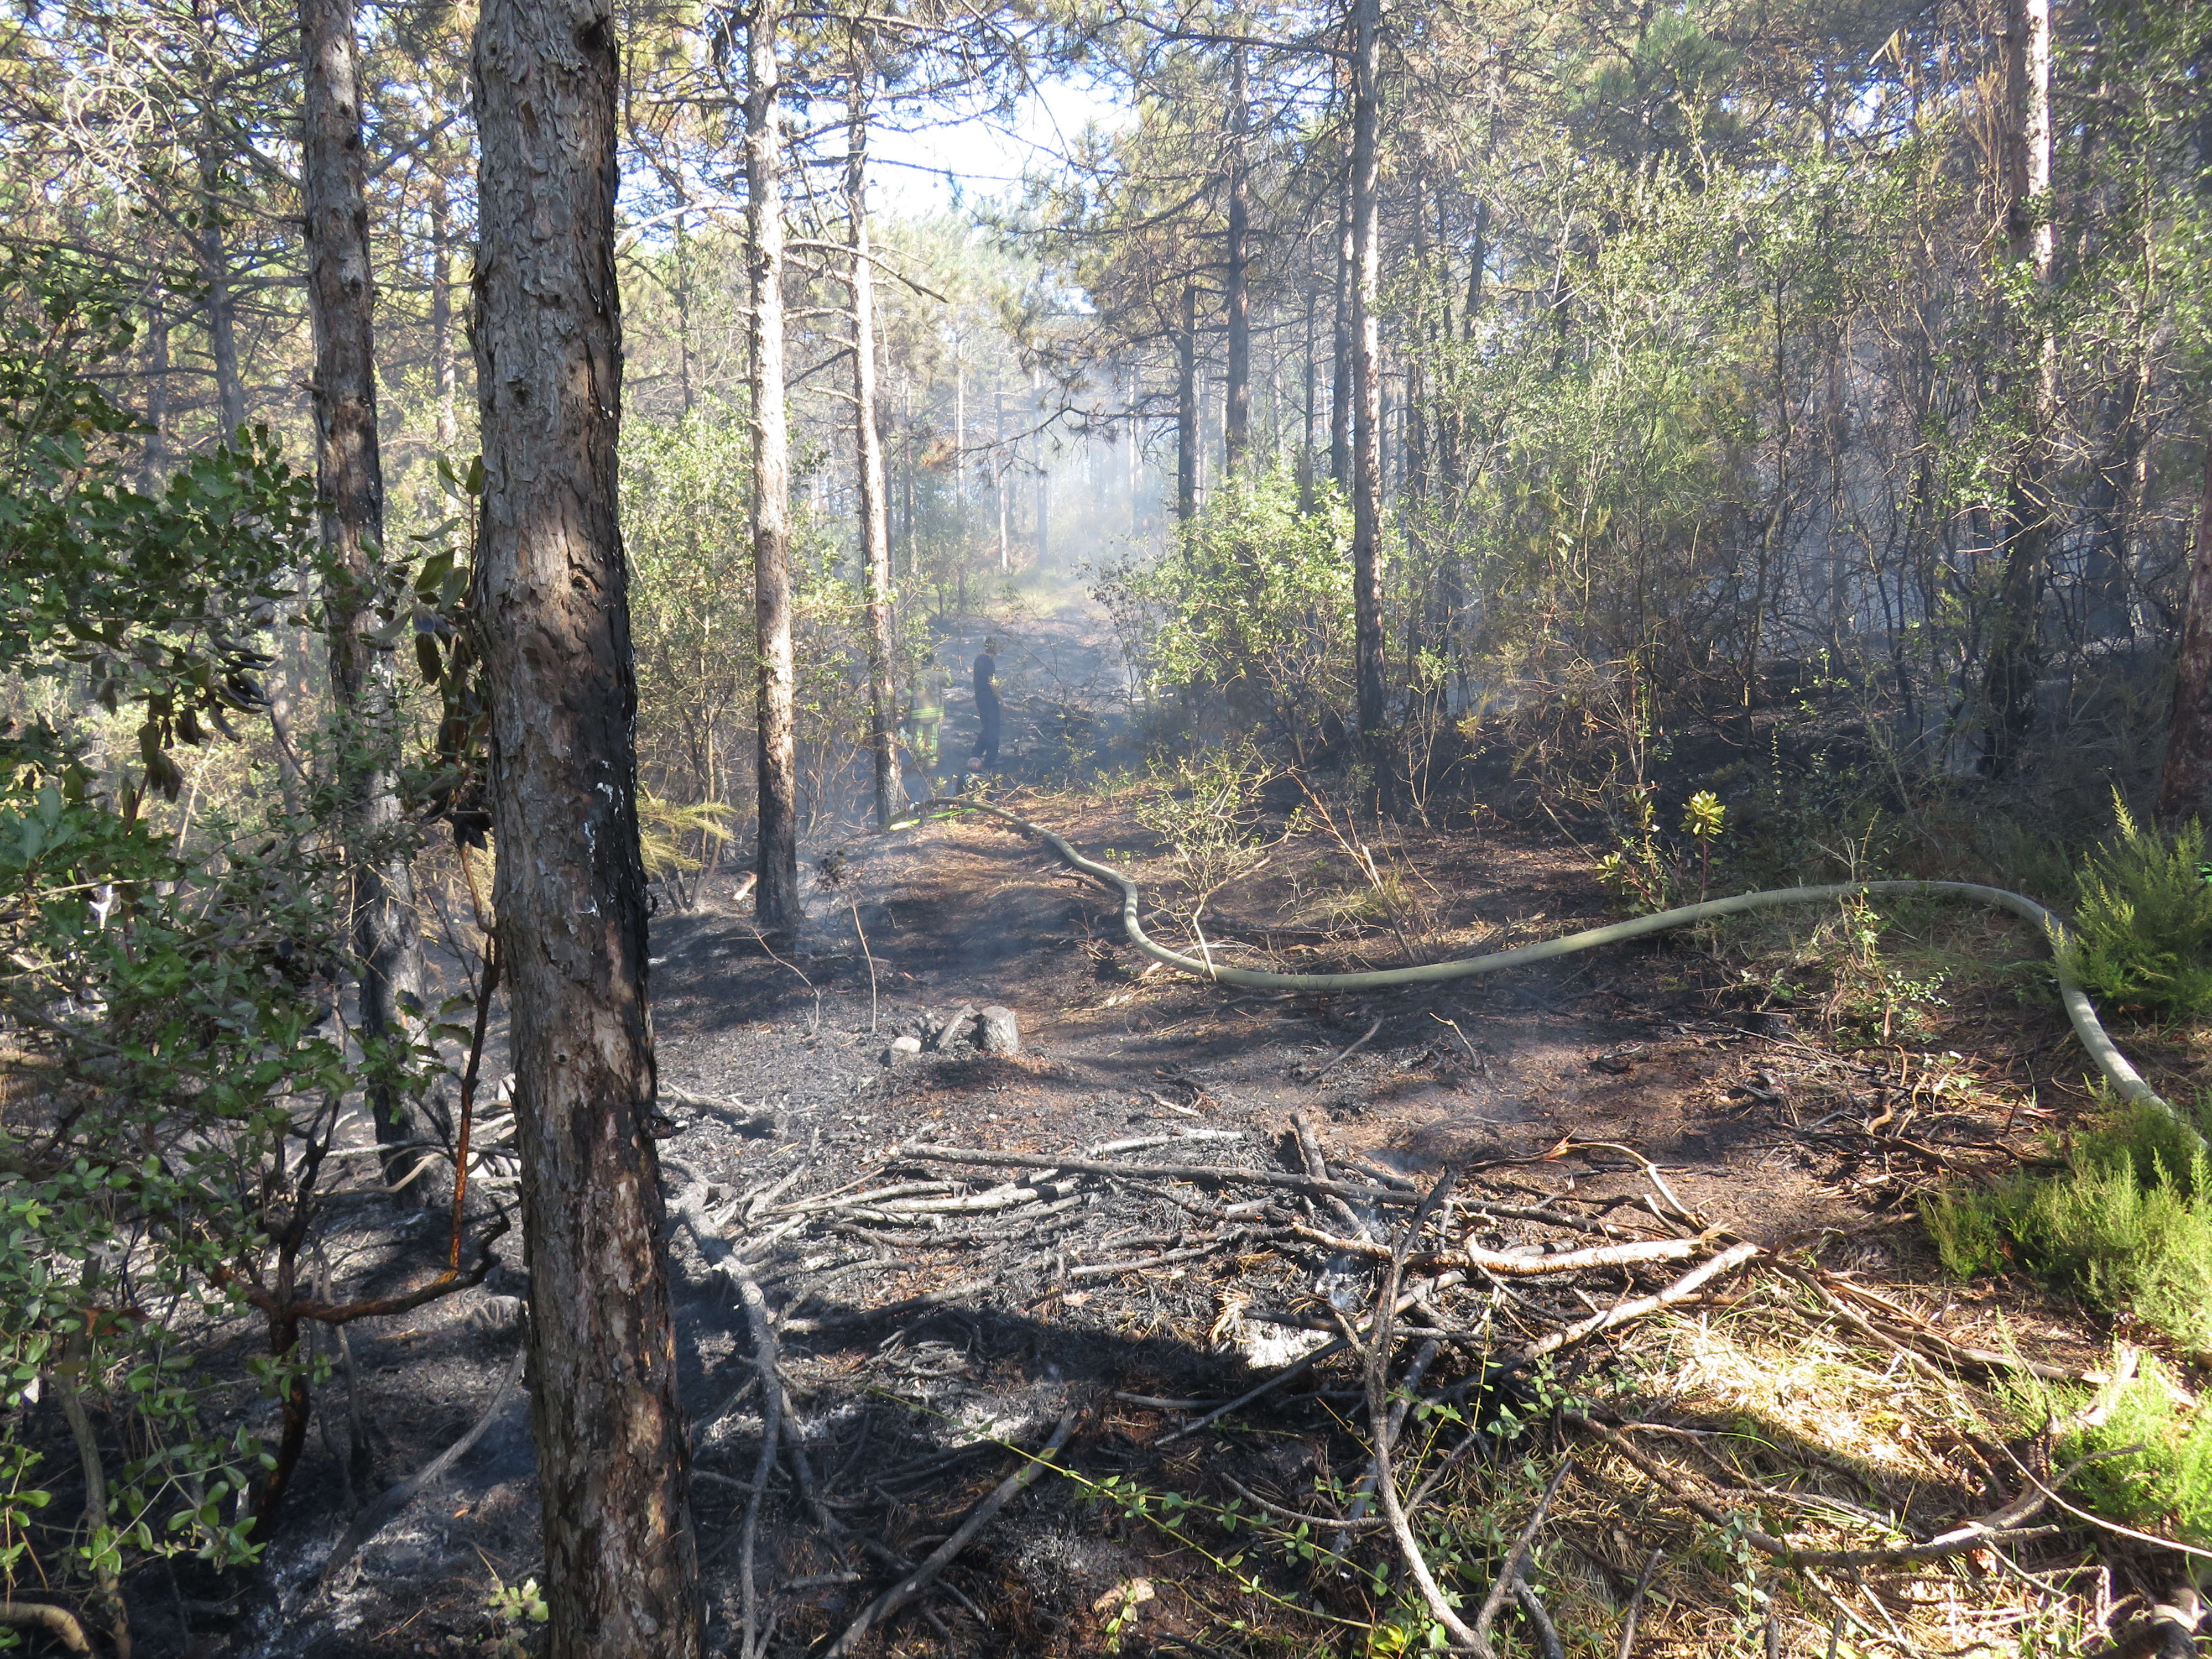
341, 299
1186, 408
621, 1564
154, 454
1366, 374
868, 445
1236, 405
775, 895
2185, 788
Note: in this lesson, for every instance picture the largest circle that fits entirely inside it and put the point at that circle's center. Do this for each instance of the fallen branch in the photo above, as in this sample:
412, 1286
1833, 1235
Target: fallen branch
1612, 1318
1635, 1603
1513, 1264
942, 1556
925, 1152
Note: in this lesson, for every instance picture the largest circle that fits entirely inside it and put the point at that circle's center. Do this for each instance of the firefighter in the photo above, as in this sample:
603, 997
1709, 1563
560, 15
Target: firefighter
990, 714
925, 712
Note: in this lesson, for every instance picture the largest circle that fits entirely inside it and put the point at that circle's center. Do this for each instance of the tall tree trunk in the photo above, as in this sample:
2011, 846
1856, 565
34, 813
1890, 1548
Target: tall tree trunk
1237, 398
364, 682
441, 316
1366, 374
2015, 649
1187, 407
1339, 375
621, 1568
775, 895
2185, 787
867, 441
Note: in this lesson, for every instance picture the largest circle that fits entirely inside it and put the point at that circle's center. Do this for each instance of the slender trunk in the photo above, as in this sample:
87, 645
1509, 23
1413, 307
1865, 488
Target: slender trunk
1339, 379
867, 443
622, 1569
364, 680
154, 454
1306, 413
2185, 787
2015, 661
1367, 385
776, 896
221, 305
441, 316
1236, 399
1186, 408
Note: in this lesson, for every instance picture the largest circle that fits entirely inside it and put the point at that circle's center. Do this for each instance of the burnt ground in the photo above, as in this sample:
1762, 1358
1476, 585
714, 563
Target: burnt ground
914, 1347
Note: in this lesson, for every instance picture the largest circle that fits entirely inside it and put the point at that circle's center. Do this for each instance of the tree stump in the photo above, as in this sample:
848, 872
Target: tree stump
996, 1033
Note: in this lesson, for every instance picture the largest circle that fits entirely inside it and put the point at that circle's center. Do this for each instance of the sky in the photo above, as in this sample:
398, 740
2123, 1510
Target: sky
986, 157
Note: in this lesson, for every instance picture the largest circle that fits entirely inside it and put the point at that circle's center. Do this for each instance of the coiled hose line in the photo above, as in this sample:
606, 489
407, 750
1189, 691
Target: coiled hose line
2126, 1082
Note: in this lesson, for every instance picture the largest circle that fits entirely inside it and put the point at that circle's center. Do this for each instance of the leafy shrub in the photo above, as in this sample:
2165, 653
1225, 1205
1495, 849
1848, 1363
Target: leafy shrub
1252, 607
2142, 929
2166, 1481
2127, 1225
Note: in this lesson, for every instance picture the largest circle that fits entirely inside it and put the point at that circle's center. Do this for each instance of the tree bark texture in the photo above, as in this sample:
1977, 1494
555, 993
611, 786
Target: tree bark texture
868, 447
775, 895
621, 1563
2015, 661
1186, 408
1237, 401
2185, 786
1366, 372
364, 681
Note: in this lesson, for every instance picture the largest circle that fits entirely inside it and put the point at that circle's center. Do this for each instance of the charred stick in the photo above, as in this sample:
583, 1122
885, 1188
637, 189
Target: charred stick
1635, 1603
394, 1504
942, 1556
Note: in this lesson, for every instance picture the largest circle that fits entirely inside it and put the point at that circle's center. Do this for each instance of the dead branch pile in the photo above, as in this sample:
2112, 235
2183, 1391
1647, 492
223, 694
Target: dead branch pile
1453, 1319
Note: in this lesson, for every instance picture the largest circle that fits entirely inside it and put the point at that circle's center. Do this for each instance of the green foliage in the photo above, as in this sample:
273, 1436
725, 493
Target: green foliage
1251, 608
1206, 808
168, 1008
2152, 1447
2126, 1225
2141, 934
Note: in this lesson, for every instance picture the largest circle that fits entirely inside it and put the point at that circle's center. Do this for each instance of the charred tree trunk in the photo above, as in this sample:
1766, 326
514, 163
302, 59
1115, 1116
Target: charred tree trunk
868, 445
1236, 399
775, 896
1186, 408
364, 681
2016, 647
621, 1564
1366, 376
2185, 787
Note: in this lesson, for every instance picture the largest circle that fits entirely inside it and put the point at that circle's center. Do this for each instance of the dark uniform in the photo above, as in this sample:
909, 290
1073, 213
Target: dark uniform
990, 714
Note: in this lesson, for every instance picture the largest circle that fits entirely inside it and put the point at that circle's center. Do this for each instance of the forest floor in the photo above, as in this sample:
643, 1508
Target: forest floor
937, 1319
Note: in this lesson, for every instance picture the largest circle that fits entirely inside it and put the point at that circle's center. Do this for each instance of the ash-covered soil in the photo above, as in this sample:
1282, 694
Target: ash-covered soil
924, 1332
